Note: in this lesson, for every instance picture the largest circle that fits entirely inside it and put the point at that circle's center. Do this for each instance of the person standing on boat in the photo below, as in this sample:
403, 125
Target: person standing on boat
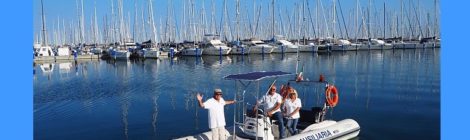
215, 105
272, 107
292, 106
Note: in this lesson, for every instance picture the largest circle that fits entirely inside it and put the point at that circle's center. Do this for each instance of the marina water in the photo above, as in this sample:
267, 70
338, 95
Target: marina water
392, 94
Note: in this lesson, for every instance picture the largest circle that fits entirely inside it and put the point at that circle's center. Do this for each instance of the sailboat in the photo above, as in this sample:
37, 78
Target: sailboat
281, 45
343, 45
190, 48
121, 51
256, 46
43, 51
153, 51
212, 45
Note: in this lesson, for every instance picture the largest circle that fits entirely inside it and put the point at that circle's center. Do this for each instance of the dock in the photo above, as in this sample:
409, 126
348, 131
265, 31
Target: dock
66, 58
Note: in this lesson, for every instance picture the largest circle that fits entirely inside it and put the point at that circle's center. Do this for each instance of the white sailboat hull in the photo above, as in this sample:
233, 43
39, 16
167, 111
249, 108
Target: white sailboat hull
308, 48
153, 53
96, 50
343, 48
285, 49
260, 49
375, 47
404, 45
121, 54
192, 52
62, 51
431, 45
216, 51
240, 50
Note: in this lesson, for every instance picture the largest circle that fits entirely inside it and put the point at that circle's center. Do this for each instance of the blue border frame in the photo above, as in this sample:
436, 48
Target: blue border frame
16, 72
454, 69
16, 98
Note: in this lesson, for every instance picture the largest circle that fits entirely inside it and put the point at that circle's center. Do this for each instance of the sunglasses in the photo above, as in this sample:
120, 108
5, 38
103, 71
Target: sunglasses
218, 94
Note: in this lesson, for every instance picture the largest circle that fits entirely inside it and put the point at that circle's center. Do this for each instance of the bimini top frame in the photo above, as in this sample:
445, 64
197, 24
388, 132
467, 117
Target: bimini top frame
246, 79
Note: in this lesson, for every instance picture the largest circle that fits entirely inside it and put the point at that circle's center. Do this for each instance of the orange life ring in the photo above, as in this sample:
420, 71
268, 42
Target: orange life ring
332, 101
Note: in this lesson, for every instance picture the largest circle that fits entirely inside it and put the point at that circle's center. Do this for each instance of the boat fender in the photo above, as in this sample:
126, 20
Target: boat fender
332, 101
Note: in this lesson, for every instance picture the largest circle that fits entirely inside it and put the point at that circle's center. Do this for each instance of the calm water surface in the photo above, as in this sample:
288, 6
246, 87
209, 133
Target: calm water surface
393, 94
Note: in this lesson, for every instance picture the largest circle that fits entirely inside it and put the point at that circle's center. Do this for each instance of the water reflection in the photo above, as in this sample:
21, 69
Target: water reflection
65, 67
125, 112
155, 113
216, 61
47, 68
191, 61
373, 85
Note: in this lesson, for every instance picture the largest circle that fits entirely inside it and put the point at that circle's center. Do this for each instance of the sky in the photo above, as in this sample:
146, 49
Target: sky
67, 9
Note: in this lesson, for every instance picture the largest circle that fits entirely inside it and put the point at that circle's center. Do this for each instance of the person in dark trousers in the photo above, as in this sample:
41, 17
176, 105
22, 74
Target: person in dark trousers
272, 108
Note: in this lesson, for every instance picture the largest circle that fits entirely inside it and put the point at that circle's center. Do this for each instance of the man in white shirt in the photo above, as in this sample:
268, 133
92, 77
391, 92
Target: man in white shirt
216, 115
272, 107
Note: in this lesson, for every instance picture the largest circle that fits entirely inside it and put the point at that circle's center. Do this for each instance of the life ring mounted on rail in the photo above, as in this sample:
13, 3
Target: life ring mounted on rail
332, 101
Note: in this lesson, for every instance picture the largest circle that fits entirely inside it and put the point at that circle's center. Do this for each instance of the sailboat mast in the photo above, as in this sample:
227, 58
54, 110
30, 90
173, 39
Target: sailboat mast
368, 20
58, 34
272, 27
254, 19
64, 37
143, 25
401, 20
95, 27
213, 28
152, 21
121, 22
384, 20
357, 17
303, 21
135, 21
183, 27
316, 18
435, 19
193, 23
82, 24
238, 20
44, 41
334, 19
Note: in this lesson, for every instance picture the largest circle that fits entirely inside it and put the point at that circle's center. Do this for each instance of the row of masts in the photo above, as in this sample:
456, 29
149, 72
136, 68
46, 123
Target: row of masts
307, 19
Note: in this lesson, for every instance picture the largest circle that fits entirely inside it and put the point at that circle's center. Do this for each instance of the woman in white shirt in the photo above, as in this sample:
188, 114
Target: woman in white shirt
292, 106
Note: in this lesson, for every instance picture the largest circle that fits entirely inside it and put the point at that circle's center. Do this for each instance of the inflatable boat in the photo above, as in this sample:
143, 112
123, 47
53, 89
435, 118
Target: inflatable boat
256, 125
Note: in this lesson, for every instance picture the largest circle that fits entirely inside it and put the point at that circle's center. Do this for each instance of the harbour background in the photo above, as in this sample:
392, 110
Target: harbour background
190, 32
393, 94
